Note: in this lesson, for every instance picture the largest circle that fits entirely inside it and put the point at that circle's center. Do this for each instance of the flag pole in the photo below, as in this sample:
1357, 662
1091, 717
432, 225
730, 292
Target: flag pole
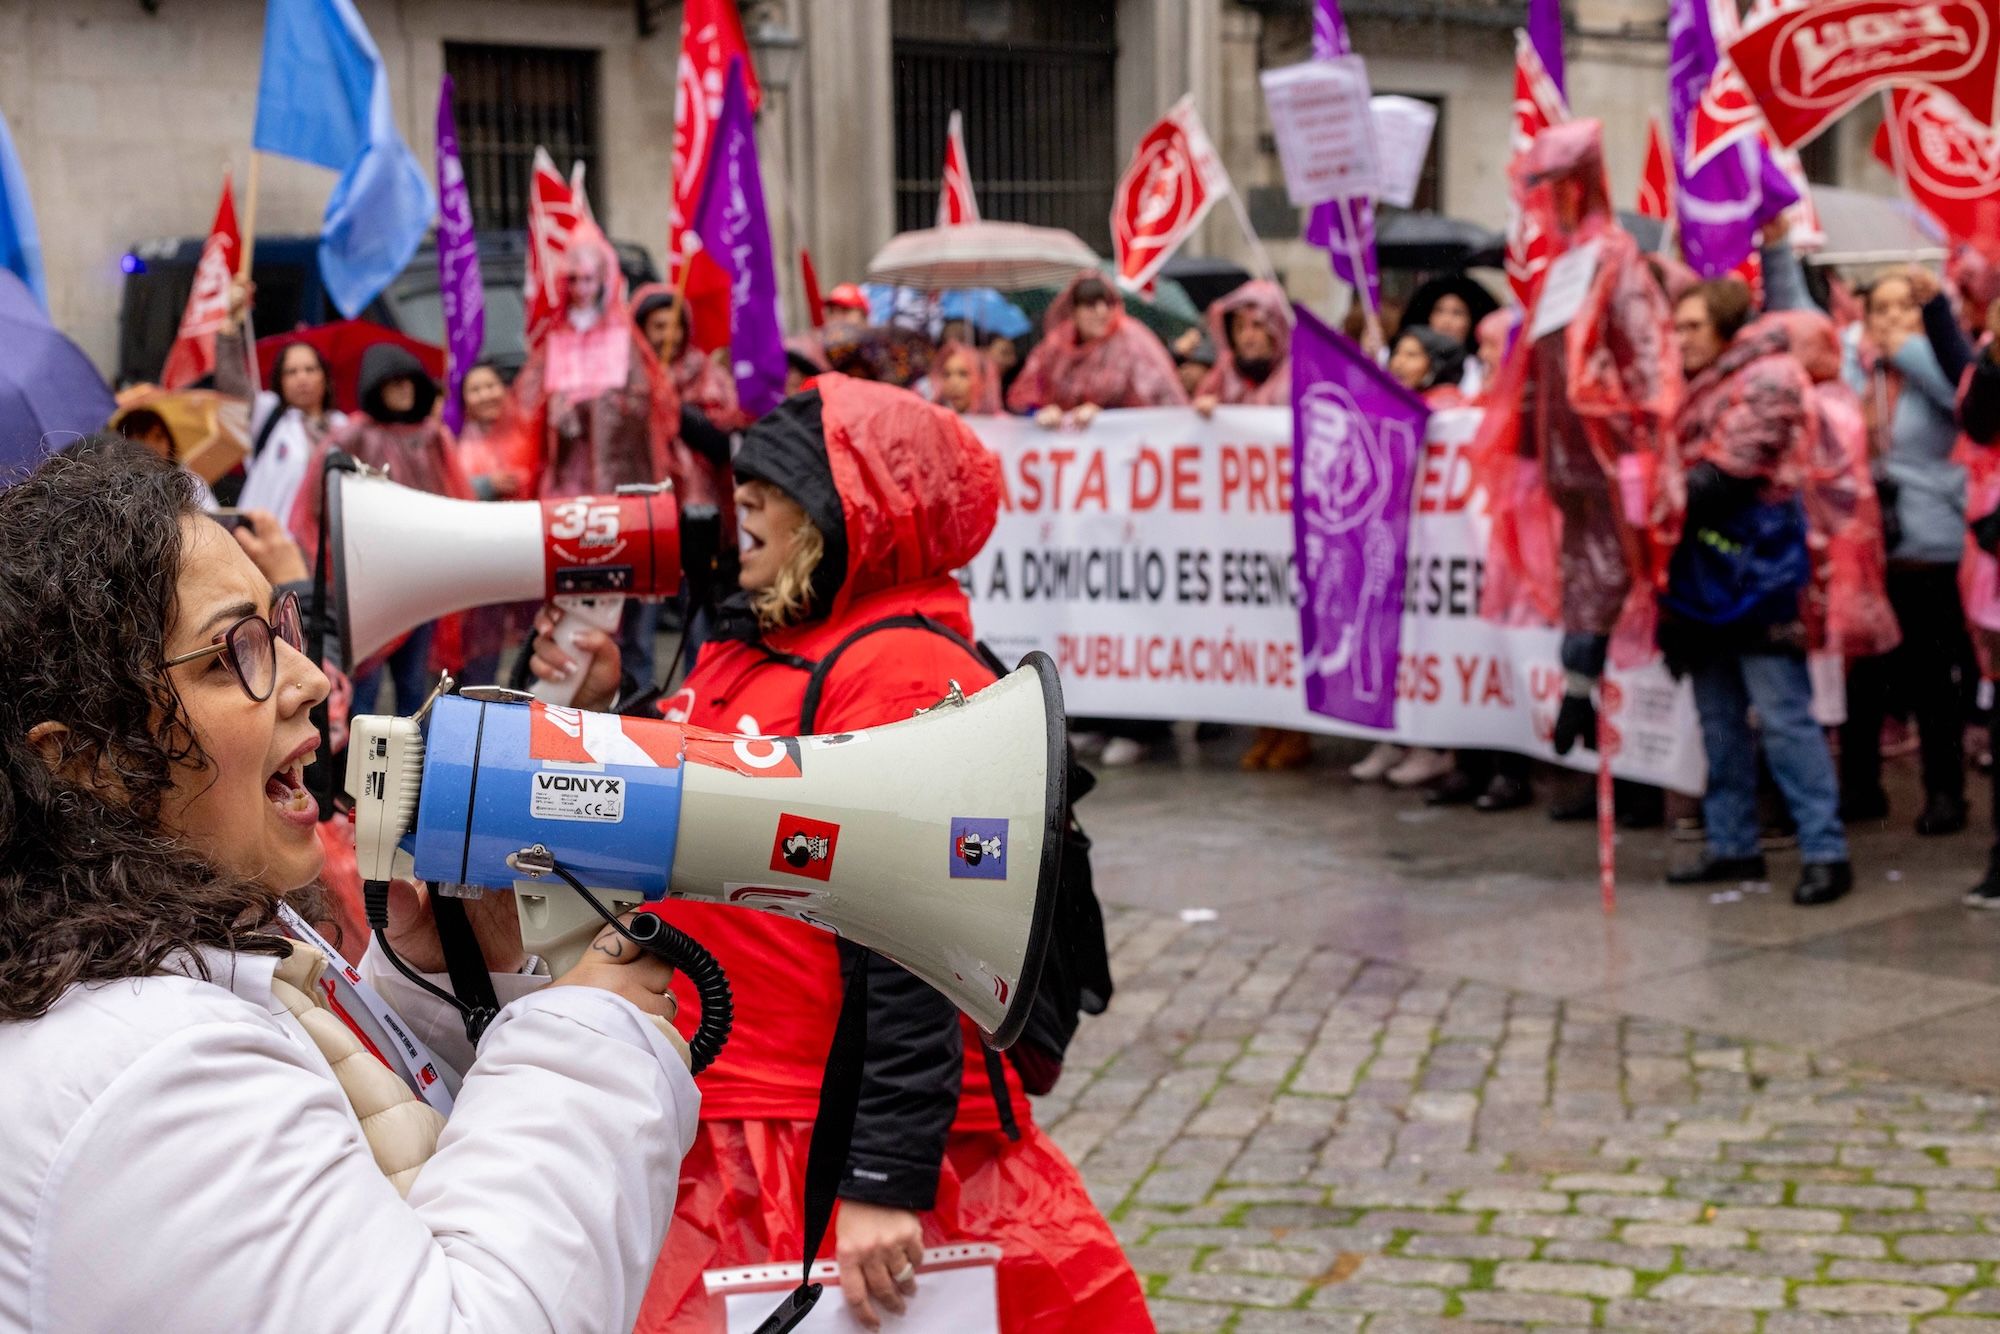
1360, 271
248, 218
1902, 167
1265, 269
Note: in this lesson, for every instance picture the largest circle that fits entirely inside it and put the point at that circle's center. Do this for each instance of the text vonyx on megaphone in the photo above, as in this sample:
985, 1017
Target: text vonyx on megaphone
935, 841
402, 558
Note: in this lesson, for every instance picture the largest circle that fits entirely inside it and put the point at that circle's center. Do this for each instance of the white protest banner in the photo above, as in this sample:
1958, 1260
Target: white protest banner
1326, 135
1403, 129
1151, 555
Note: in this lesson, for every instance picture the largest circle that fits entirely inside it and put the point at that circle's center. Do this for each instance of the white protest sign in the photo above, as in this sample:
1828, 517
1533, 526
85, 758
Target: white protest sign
1564, 287
1151, 555
1326, 135
1403, 129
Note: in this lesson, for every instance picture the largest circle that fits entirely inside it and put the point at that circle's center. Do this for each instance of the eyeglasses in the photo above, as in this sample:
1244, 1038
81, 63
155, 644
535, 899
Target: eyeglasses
250, 647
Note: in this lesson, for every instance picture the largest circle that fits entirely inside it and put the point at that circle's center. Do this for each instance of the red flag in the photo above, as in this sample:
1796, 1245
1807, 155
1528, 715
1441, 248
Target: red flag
1174, 178
1537, 105
1656, 185
956, 203
1949, 162
711, 35
815, 304
193, 354
555, 206
1805, 67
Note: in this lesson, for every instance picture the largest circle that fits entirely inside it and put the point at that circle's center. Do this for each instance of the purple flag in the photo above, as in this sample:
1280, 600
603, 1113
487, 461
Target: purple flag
1356, 435
460, 291
1720, 207
734, 231
1344, 228
1545, 30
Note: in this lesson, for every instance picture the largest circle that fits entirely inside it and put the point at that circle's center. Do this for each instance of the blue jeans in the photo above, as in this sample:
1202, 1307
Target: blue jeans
1776, 685
409, 668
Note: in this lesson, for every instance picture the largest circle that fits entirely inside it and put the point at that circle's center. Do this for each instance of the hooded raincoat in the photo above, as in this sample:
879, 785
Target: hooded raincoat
1575, 452
985, 378
1229, 381
702, 385
1127, 368
915, 495
603, 410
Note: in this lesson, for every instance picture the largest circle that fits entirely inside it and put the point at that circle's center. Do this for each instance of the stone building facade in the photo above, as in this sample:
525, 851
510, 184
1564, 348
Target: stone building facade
126, 112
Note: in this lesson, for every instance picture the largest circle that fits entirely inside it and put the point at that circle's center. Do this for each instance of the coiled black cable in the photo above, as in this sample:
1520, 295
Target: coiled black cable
655, 935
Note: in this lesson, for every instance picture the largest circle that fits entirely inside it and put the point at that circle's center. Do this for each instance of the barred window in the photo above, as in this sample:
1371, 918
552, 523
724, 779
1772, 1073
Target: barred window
508, 100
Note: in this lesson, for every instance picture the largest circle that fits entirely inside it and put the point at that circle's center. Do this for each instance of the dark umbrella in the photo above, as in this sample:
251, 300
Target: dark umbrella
1430, 242
49, 391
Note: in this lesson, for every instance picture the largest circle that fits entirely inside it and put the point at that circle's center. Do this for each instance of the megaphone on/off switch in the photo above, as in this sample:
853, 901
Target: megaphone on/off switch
402, 558
934, 841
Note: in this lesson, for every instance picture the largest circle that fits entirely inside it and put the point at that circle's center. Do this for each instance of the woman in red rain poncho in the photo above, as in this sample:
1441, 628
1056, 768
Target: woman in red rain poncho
1251, 329
857, 501
1584, 407
594, 397
667, 324
963, 380
1093, 356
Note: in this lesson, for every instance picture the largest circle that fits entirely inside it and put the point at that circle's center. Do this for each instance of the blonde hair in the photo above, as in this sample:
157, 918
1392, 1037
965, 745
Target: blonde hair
788, 598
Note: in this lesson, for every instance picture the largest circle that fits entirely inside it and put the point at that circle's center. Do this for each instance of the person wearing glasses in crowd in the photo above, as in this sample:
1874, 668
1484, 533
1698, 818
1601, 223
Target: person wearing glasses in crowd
195, 1139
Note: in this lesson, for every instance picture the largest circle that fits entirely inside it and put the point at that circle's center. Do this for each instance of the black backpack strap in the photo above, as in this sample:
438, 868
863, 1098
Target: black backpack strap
1003, 1101
821, 670
832, 1136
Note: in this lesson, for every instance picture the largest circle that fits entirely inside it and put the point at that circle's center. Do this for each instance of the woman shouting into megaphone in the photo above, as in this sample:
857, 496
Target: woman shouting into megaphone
856, 503
195, 1139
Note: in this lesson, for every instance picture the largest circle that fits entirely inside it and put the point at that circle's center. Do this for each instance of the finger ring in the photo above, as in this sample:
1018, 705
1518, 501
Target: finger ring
903, 1275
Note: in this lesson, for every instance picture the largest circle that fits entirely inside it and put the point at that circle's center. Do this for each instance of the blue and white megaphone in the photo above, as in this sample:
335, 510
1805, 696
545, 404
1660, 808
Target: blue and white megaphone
934, 841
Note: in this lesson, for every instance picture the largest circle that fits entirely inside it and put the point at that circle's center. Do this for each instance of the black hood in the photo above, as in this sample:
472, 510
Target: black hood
1447, 354
1417, 315
787, 448
385, 362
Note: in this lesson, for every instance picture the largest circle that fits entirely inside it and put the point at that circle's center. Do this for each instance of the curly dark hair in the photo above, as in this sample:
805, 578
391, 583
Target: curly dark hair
91, 887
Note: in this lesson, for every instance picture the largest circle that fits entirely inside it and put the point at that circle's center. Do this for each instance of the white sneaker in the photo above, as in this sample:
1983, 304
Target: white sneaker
1419, 767
1086, 743
1121, 751
1376, 763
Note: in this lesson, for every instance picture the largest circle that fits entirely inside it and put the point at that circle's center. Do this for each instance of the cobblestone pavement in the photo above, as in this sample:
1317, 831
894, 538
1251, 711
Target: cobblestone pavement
1288, 1137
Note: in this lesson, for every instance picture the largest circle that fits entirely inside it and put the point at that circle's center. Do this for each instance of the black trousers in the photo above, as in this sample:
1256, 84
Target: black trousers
1921, 670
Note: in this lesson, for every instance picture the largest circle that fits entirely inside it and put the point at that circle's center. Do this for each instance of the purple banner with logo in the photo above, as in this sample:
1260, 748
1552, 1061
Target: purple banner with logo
1344, 228
735, 231
460, 291
1356, 436
1720, 208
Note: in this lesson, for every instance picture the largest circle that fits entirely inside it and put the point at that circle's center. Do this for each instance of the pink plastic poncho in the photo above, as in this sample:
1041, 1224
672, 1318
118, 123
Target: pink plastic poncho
1266, 303
603, 409
985, 378
1587, 405
1127, 368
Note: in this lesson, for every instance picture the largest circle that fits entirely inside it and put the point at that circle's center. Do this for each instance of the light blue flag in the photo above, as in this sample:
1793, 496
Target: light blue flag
20, 243
323, 97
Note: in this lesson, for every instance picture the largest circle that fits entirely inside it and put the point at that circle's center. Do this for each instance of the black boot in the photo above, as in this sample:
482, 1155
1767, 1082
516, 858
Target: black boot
1986, 894
1823, 882
1505, 793
1458, 788
1943, 814
1713, 870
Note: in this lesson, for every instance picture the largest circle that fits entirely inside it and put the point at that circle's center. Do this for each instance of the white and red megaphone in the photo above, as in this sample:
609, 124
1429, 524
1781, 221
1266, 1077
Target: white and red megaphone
402, 558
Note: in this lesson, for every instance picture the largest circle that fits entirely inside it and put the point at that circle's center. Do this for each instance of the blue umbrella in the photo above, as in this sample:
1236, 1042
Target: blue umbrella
981, 307
48, 388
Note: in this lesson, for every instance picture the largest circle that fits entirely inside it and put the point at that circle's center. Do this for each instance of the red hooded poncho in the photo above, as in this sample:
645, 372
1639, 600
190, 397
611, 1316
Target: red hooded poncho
1574, 453
603, 409
1266, 303
700, 382
1127, 368
919, 496
985, 378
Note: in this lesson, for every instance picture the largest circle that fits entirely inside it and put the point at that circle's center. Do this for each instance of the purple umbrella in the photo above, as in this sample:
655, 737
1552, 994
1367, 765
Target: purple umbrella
49, 391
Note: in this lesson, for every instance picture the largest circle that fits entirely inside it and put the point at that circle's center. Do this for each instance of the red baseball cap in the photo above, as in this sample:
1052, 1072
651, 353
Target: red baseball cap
848, 296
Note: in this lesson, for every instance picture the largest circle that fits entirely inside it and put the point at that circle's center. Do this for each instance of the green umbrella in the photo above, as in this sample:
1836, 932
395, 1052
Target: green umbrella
1170, 312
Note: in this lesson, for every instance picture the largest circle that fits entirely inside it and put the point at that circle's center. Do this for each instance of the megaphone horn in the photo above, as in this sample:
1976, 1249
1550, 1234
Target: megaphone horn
402, 558
935, 841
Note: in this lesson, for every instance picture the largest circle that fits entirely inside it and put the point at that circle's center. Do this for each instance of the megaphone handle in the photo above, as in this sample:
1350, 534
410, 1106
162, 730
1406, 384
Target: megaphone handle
579, 614
661, 939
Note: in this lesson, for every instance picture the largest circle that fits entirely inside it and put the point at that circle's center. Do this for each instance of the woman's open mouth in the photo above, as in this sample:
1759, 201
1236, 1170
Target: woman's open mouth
286, 791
